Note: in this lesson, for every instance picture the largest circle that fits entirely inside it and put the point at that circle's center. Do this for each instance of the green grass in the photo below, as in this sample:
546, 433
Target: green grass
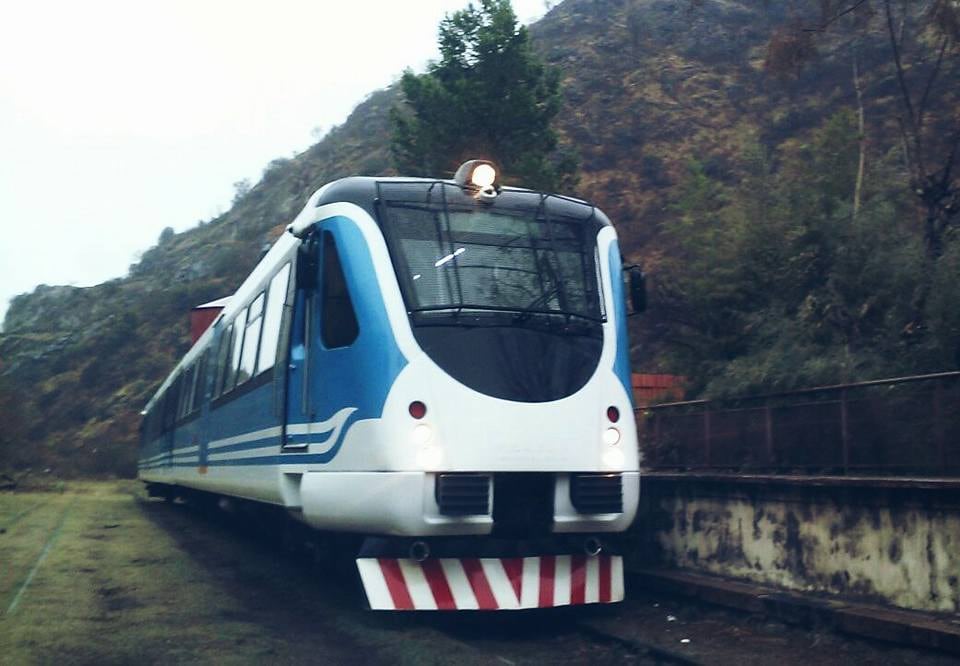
129, 580
114, 588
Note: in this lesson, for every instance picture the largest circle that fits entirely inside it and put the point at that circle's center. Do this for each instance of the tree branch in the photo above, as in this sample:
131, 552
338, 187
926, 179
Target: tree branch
922, 108
904, 90
836, 17
951, 158
861, 136
907, 153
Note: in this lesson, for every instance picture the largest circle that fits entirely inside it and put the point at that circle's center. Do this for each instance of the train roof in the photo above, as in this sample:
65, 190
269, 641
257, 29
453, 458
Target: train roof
364, 191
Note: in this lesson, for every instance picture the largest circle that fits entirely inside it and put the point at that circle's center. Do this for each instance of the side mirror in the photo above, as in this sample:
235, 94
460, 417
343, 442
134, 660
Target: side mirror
638, 289
308, 268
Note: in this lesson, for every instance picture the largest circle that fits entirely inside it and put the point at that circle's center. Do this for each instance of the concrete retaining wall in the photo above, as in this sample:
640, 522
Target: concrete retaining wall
894, 541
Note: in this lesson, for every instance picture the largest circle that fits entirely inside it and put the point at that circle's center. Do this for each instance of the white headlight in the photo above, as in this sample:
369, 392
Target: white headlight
611, 436
421, 433
430, 457
613, 459
483, 176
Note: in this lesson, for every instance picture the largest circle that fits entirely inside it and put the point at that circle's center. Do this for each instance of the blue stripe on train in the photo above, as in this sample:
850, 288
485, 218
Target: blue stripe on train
621, 363
365, 373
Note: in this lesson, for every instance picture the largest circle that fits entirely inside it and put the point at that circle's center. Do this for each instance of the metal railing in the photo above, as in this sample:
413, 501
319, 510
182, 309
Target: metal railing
900, 426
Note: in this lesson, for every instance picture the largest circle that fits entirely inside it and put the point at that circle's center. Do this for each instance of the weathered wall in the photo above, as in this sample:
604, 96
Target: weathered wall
895, 542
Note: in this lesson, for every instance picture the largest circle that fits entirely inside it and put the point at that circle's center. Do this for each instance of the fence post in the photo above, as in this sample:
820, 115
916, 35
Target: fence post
657, 444
768, 417
844, 430
706, 433
938, 425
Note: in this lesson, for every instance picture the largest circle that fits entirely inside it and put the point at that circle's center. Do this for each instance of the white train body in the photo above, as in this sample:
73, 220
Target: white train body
385, 371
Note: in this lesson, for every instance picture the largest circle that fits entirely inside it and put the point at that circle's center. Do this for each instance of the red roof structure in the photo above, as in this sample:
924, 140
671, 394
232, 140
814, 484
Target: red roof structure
203, 315
650, 389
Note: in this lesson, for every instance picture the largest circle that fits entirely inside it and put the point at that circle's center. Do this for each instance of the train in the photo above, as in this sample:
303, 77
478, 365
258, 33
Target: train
439, 367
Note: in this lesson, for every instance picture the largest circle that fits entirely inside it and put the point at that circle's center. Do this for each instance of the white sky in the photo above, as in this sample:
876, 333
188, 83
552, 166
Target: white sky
121, 117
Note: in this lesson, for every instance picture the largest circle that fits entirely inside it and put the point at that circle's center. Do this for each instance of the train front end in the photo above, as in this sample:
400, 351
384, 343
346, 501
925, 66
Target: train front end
502, 459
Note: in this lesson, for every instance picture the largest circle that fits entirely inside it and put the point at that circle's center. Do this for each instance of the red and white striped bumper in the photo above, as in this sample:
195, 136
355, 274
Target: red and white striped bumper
491, 583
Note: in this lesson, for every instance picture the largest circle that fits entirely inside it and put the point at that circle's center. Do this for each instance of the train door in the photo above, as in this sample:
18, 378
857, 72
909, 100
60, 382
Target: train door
325, 325
299, 413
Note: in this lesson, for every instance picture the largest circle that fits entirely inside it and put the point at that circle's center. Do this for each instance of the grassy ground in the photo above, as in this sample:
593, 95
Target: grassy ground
97, 574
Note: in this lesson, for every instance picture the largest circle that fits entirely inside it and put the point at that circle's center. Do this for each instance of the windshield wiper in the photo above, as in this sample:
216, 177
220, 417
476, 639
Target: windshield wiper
519, 314
525, 313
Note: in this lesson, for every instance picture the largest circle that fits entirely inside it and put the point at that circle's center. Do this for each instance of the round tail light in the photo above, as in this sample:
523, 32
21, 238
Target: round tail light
613, 414
417, 409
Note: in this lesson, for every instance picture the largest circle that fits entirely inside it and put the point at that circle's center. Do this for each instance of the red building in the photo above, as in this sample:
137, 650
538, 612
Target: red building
203, 315
651, 389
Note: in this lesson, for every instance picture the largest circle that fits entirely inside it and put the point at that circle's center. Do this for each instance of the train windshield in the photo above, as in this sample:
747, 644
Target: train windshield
456, 258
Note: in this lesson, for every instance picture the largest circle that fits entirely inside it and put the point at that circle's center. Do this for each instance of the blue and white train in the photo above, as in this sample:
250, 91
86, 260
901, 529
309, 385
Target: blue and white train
441, 366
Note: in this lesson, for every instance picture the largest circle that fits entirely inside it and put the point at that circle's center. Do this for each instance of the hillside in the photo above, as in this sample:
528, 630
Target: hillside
649, 86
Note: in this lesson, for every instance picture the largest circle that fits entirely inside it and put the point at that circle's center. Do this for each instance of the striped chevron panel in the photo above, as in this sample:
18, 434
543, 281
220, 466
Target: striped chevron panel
491, 583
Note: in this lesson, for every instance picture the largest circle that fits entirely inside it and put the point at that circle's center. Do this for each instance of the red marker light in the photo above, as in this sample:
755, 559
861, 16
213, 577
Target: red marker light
613, 414
417, 409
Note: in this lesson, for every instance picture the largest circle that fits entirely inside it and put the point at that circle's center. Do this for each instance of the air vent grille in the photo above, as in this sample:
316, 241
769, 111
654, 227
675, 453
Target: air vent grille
597, 493
463, 494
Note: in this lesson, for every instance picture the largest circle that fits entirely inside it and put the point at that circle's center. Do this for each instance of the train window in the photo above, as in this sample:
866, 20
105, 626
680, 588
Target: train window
178, 405
154, 426
170, 403
276, 296
230, 376
248, 359
490, 259
159, 415
148, 421
223, 352
201, 385
184, 406
339, 326
194, 389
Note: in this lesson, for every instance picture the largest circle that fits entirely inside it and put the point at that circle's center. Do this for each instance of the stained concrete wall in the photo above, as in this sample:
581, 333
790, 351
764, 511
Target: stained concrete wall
895, 542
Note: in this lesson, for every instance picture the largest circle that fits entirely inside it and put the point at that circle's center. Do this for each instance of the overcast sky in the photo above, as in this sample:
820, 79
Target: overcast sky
121, 117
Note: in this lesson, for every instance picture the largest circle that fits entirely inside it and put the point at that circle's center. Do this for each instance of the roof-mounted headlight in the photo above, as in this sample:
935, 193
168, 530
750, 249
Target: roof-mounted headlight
479, 176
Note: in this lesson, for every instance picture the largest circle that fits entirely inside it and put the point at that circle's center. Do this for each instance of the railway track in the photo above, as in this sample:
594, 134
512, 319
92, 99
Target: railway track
23, 564
523, 637
6, 525
508, 637
658, 653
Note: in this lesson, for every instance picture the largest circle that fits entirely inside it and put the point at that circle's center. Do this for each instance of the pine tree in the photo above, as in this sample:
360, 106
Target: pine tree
488, 97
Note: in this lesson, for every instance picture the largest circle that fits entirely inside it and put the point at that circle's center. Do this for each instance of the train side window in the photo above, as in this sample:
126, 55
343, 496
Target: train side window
276, 297
161, 426
194, 387
239, 325
162, 414
201, 384
178, 404
223, 353
194, 384
248, 359
184, 407
188, 402
155, 425
339, 326
172, 400
149, 419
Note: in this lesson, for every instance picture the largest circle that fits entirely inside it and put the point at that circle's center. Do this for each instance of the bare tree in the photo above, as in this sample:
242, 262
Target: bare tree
930, 150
